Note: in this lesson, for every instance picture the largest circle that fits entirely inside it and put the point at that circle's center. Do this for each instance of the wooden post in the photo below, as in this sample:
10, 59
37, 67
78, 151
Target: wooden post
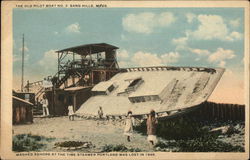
224, 112
105, 76
212, 111
243, 108
243, 112
22, 65
74, 101
58, 63
215, 110
240, 117
206, 111
221, 112
28, 86
53, 95
233, 112
237, 112
215, 106
201, 111
218, 106
229, 111
17, 119
92, 78
73, 66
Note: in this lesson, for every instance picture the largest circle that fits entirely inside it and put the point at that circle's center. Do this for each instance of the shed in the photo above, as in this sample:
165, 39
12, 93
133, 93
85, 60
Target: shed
22, 111
62, 98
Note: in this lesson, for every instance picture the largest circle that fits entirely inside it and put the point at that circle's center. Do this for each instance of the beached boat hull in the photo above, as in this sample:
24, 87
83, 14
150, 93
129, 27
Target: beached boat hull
167, 90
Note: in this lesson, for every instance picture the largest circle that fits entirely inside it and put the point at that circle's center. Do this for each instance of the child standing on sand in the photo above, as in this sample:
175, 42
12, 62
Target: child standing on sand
128, 130
71, 113
100, 112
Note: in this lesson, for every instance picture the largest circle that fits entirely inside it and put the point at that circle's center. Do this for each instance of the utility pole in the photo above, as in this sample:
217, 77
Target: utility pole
22, 64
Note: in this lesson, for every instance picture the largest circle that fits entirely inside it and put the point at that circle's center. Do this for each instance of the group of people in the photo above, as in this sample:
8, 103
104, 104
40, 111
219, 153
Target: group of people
129, 123
151, 127
45, 104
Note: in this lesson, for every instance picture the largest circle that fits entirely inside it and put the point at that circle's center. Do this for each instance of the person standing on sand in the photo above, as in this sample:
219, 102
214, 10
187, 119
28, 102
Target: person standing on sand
71, 113
100, 112
151, 127
45, 104
128, 130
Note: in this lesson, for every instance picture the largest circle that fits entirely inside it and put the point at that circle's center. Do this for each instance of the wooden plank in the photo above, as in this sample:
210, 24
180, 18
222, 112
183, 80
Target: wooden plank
229, 112
200, 111
214, 110
217, 108
232, 112
23, 113
208, 110
223, 112
242, 107
226, 117
243, 113
238, 112
74, 102
218, 111
204, 112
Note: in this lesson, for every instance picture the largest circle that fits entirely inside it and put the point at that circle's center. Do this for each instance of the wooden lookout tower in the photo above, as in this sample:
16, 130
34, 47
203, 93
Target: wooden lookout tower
79, 69
85, 65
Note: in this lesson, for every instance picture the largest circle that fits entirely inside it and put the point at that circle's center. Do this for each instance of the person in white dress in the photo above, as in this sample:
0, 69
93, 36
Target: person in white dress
71, 113
129, 122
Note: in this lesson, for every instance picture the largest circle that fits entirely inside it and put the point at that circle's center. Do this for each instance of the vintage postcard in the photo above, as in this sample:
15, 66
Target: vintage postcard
125, 80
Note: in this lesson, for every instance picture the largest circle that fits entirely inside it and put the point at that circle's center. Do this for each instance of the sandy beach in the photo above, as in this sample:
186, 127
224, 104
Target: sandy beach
99, 133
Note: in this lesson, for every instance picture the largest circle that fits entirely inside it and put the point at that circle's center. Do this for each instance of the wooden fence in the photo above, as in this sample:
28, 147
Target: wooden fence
220, 111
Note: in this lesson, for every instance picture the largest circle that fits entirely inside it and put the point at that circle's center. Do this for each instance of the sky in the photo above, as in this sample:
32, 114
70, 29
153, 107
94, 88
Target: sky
205, 37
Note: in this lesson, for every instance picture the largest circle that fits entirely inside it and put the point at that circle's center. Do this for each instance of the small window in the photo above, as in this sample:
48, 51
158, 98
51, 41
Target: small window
138, 99
154, 98
147, 98
143, 99
134, 82
27, 97
131, 100
111, 88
